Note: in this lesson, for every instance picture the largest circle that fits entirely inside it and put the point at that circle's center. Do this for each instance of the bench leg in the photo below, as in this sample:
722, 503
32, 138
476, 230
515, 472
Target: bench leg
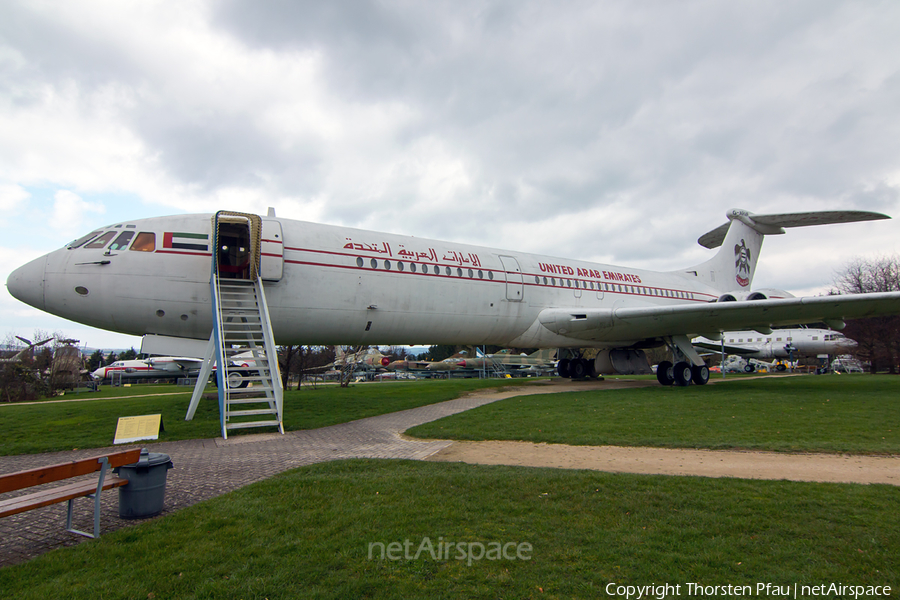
69, 528
96, 498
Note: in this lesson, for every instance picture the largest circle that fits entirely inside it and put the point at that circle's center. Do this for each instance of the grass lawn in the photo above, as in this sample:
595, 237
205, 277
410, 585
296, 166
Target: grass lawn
847, 413
308, 533
47, 427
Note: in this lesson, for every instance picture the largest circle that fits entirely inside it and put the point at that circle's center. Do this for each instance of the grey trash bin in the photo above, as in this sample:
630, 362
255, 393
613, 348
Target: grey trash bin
144, 496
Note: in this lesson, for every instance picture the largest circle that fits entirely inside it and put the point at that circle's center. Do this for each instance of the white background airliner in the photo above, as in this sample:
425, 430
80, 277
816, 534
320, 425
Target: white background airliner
780, 343
337, 285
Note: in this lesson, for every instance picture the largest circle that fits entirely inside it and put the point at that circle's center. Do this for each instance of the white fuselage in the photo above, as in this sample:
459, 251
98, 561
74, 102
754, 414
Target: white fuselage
141, 369
804, 342
338, 285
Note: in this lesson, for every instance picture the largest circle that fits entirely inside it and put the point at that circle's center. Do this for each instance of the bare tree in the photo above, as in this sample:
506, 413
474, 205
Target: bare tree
878, 338
286, 357
346, 369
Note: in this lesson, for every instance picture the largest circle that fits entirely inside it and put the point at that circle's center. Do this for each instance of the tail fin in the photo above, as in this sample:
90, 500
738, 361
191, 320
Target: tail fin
338, 353
733, 267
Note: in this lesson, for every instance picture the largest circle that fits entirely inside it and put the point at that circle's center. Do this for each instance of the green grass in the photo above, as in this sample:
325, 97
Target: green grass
306, 534
849, 413
47, 427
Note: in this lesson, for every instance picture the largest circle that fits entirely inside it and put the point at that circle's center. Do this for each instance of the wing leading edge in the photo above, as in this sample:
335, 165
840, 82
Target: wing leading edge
633, 324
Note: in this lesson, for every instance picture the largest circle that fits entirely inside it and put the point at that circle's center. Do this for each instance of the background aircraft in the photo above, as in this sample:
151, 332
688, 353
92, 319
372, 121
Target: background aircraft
780, 343
18, 355
168, 367
368, 358
163, 367
338, 285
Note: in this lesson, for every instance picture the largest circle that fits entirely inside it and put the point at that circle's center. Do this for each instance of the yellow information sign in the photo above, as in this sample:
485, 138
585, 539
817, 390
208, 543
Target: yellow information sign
133, 429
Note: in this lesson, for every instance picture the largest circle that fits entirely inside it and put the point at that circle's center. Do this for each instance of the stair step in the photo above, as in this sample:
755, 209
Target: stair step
263, 400
249, 413
246, 424
256, 390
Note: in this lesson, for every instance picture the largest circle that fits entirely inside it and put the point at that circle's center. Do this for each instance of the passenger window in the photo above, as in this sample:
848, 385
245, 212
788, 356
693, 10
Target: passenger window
122, 241
144, 242
101, 241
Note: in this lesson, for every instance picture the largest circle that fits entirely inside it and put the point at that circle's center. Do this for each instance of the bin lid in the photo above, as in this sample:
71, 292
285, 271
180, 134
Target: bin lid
150, 459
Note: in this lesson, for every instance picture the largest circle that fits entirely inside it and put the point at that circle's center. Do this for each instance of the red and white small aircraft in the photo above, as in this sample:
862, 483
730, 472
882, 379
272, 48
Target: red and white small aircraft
333, 285
164, 367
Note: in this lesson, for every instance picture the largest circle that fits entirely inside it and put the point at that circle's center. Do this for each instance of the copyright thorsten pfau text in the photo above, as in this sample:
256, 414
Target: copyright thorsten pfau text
768, 590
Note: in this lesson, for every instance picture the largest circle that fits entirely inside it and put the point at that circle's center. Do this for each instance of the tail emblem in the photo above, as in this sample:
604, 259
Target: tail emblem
742, 264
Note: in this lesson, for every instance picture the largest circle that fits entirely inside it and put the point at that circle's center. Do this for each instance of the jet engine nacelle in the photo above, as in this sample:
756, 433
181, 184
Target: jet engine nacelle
763, 294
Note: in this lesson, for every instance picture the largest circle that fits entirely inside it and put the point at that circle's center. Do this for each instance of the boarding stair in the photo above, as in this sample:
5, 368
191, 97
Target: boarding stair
250, 382
498, 369
242, 344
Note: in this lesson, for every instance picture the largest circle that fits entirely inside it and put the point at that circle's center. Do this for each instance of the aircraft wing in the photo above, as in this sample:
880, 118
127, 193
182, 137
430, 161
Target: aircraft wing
631, 323
181, 362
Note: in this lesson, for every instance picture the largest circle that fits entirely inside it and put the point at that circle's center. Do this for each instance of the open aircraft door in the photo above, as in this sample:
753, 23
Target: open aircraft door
514, 283
271, 260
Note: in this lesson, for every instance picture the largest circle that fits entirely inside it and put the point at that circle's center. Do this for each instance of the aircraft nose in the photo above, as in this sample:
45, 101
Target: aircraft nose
27, 283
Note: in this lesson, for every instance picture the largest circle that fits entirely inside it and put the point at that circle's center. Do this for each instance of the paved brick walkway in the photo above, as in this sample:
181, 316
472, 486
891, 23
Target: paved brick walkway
234, 463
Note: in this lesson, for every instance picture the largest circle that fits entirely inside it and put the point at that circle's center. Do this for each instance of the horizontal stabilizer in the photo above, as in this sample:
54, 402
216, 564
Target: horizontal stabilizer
775, 224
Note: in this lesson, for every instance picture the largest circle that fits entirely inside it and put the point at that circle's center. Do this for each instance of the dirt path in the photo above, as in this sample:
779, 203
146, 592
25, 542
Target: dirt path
669, 461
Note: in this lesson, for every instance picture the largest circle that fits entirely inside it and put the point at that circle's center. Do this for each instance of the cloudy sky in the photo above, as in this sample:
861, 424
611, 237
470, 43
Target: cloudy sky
614, 131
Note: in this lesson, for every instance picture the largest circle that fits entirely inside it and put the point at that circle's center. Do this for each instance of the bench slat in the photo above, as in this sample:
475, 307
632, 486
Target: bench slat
41, 498
23, 479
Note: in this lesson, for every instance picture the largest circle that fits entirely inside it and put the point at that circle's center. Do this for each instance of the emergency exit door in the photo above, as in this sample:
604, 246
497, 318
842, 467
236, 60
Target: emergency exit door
515, 287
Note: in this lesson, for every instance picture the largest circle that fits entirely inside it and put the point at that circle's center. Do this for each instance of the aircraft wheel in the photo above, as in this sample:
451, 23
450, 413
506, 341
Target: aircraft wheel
748, 369
563, 368
578, 368
700, 375
781, 368
664, 373
682, 373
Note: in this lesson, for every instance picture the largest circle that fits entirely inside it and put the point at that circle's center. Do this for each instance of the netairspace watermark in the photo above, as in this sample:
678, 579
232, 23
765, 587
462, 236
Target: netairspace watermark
449, 550
767, 590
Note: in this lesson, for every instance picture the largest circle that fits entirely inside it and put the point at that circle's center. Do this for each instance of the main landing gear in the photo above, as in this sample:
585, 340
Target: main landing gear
575, 368
688, 367
681, 373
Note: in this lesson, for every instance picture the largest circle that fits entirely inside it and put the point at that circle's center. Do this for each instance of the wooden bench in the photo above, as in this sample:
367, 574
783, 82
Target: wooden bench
91, 488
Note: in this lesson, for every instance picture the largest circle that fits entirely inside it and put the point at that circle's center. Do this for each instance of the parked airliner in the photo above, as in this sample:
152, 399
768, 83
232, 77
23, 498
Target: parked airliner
164, 367
780, 343
334, 285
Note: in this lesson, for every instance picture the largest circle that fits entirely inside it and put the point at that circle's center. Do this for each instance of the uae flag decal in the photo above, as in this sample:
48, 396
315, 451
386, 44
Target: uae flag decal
186, 241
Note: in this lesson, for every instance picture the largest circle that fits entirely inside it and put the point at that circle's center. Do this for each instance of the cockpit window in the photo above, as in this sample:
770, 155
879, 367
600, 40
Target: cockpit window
101, 241
122, 241
83, 240
144, 242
